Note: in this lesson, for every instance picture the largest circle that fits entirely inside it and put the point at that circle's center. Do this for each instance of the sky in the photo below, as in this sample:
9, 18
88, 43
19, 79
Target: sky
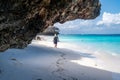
107, 23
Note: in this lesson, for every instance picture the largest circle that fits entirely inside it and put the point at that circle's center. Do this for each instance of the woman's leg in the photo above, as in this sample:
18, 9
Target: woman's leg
55, 45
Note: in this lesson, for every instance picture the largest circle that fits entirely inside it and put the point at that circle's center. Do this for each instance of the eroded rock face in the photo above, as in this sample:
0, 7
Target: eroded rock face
21, 20
52, 30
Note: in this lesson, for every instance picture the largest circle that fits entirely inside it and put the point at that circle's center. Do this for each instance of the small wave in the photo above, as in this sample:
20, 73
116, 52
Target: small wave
114, 54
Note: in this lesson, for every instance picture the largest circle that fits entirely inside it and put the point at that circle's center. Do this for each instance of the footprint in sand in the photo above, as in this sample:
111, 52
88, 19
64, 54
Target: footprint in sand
16, 62
0, 71
60, 69
38, 79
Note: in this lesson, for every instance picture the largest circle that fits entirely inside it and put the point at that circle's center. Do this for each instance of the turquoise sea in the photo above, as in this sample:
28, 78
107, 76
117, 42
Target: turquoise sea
102, 43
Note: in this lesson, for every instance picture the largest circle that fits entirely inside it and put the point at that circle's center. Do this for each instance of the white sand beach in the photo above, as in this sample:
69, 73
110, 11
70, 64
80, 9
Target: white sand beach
41, 61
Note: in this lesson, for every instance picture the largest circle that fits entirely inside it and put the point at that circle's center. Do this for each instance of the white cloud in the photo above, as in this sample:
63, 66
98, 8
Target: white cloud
75, 24
86, 23
109, 19
95, 26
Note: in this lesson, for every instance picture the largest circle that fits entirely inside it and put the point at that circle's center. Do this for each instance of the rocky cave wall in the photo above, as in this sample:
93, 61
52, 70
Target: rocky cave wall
21, 20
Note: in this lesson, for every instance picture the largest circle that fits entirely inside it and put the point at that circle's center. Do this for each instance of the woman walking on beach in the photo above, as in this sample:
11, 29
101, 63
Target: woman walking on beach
55, 40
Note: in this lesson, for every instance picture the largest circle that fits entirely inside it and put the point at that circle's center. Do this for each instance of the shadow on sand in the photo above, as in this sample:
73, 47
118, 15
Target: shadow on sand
44, 63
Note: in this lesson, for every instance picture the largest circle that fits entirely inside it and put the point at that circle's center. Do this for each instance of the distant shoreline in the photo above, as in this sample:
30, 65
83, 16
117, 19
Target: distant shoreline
94, 34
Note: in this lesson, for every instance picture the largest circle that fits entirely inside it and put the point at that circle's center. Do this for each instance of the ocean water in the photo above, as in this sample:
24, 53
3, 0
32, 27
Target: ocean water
109, 44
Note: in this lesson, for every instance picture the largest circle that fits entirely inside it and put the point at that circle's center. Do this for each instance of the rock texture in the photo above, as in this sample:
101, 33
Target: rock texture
21, 20
51, 31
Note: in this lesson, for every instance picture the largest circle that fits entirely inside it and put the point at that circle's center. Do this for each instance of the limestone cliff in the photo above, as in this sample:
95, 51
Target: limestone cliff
51, 31
21, 20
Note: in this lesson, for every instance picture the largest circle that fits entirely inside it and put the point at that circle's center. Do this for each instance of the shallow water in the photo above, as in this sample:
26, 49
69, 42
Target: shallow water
109, 44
